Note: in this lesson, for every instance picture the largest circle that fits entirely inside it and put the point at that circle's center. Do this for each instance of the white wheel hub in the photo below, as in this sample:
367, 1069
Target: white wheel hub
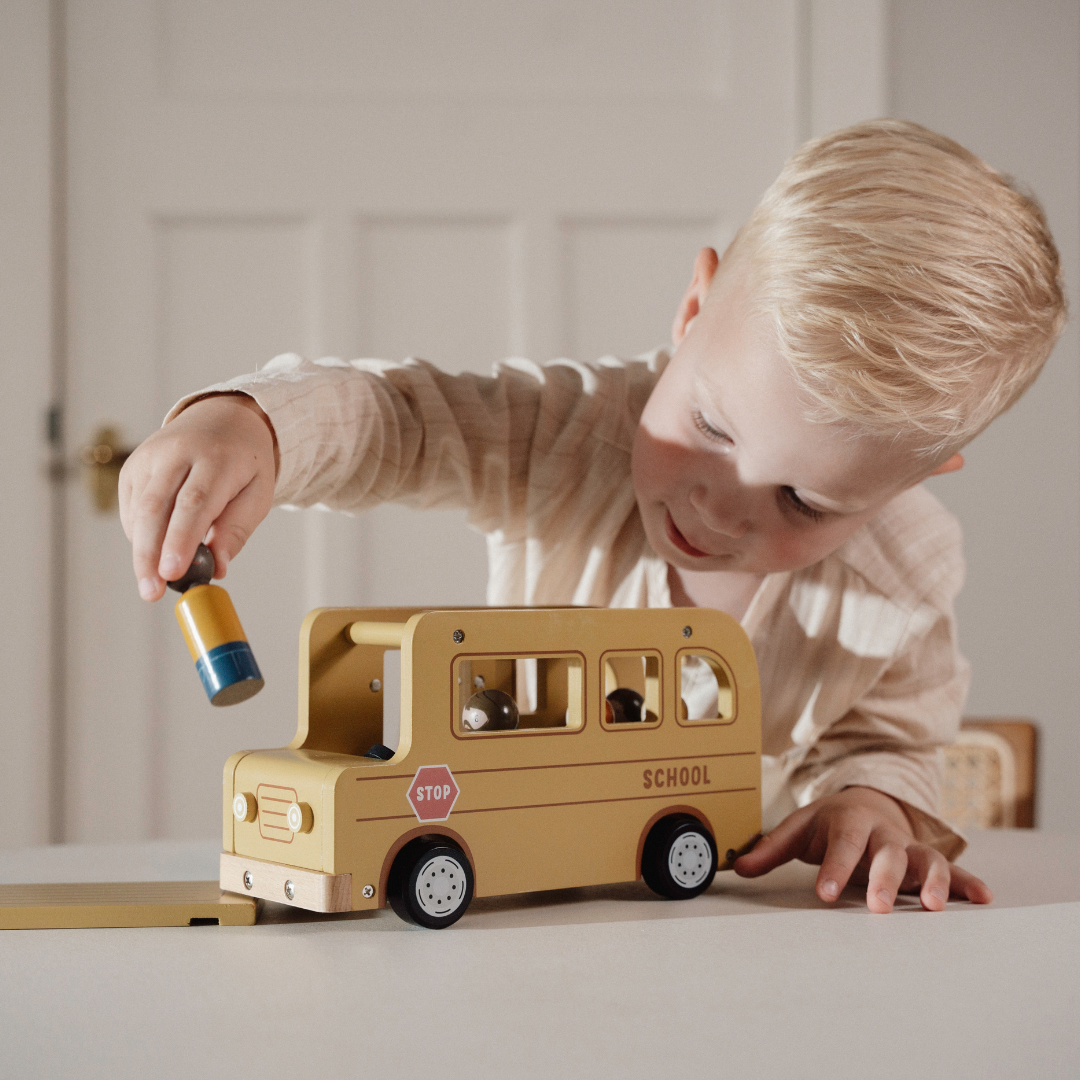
440, 885
690, 860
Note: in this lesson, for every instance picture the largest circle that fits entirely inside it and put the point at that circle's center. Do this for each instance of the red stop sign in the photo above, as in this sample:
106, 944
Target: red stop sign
433, 792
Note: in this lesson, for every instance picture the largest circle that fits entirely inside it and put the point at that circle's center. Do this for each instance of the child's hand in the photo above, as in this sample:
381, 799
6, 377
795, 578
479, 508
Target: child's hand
208, 474
863, 834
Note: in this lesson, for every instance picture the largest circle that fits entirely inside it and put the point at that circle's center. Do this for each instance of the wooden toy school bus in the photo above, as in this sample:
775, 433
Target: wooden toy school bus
535, 749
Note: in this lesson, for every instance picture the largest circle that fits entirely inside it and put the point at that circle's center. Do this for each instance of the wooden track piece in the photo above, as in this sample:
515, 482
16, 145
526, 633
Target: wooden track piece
122, 903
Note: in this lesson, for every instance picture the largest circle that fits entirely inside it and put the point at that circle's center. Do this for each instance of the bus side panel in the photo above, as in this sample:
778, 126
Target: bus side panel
558, 848
593, 839
549, 828
560, 809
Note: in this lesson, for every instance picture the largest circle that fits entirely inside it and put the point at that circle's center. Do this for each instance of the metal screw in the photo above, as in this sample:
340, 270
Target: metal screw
686, 631
248, 879
459, 636
375, 686
369, 892
290, 890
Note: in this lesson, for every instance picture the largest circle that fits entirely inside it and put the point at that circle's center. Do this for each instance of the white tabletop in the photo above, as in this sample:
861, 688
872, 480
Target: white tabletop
751, 979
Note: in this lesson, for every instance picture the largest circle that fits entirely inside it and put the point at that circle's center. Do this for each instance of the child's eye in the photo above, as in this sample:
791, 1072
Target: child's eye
798, 505
709, 431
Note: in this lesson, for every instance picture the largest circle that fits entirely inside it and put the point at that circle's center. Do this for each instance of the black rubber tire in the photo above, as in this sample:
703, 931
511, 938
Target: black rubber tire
686, 836
447, 866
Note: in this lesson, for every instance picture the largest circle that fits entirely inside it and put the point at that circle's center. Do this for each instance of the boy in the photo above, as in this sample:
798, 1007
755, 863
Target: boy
889, 297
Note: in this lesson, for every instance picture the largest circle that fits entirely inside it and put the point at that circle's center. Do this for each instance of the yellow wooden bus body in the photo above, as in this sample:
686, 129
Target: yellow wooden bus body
565, 800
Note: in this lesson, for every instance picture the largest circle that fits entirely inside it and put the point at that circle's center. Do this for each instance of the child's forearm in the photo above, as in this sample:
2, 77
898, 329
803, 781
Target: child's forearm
354, 435
350, 436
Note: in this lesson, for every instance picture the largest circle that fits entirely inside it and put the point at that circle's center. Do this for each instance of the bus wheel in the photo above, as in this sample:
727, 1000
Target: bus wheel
431, 884
679, 859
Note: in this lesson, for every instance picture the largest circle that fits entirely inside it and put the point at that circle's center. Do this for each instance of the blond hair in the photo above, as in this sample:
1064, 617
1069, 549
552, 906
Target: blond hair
916, 292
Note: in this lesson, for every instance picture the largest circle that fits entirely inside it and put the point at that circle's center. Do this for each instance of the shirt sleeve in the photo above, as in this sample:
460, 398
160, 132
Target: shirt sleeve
891, 738
354, 434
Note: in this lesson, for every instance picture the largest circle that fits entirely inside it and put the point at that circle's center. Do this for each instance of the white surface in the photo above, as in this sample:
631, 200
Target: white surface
751, 979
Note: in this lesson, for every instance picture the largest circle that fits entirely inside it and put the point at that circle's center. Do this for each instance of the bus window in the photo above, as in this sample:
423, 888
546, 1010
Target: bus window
391, 687
518, 693
631, 684
705, 688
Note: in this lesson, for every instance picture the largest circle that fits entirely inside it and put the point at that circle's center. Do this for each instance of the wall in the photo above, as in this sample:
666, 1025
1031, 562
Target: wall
25, 377
999, 75
1003, 78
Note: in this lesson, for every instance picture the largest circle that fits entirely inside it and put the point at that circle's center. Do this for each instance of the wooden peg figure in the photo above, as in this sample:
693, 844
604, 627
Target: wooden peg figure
214, 636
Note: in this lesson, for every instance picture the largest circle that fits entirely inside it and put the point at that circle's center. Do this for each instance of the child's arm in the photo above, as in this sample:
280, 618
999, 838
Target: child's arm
863, 835
347, 435
867, 783
208, 473
353, 435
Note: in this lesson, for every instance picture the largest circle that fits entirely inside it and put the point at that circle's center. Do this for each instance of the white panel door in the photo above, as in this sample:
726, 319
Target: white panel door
27, 333
453, 181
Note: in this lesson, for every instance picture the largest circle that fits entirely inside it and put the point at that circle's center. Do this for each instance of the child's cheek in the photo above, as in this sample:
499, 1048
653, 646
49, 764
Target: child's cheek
794, 548
656, 467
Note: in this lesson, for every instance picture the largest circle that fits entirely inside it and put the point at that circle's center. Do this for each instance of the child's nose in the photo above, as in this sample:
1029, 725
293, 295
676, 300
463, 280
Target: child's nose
720, 512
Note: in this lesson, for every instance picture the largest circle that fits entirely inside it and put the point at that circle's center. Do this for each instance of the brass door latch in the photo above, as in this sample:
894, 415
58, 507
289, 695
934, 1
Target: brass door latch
101, 462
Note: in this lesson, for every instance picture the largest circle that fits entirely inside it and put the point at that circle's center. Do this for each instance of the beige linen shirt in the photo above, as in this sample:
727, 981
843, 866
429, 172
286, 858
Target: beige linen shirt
861, 678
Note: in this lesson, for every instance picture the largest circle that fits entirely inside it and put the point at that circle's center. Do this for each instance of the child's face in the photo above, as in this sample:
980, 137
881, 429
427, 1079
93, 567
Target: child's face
729, 474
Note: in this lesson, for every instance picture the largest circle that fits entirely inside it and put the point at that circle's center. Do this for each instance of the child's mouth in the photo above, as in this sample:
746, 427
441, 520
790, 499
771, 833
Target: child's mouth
680, 541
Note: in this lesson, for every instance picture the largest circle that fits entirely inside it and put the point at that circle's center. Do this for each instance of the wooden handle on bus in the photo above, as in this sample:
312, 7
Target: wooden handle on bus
377, 633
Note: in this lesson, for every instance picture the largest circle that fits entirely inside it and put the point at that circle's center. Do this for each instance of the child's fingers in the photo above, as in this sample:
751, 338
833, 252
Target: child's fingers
125, 491
846, 844
235, 524
149, 506
786, 842
180, 480
203, 495
930, 871
938, 879
969, 887
888, 868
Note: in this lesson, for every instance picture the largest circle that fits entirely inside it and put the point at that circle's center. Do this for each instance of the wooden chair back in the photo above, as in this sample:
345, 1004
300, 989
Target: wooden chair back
989, 774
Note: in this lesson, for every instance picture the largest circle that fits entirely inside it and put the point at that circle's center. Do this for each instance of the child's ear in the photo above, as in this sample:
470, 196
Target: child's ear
694, 299
954, 463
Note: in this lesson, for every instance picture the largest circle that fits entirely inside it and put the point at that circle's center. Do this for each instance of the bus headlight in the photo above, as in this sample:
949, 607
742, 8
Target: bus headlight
244, 807
299, 817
